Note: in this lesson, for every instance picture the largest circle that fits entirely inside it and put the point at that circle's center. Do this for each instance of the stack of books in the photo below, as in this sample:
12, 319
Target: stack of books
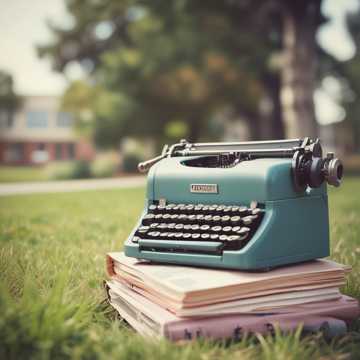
182, 302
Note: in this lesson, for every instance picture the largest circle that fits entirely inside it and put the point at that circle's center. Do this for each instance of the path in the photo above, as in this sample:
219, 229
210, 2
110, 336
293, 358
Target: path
70, 185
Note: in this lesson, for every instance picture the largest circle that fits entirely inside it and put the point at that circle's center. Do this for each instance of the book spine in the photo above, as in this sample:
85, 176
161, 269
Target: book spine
237, 328
110, 265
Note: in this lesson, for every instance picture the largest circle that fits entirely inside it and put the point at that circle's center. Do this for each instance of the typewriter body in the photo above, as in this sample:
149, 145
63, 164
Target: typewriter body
246, 205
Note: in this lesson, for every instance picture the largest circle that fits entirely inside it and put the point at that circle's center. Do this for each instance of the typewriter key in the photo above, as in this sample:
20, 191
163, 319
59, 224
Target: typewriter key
179, 227
234, 238
174, 217
158, 217
148, 219
227, 210
227, 230
223, 237
182, 217
220, 209
143, 229
235, 220
191, 219
152, 208
216, 229
198, 209
212, 209
195, 236
161, 208
154, 234
204, 227
169, 208
195, 227
162, 226
208, 218
178, 235
247, 220
135, 239
186, 236
171, 226
166, 217
182, 209
177, 208
205, 209
236, 228
225, 220
243, 232
200, 218
243, 210
171, 235
256, 211
164, 235
154, 225
214, 236
234, 210
205, 236
189, 208
216, 219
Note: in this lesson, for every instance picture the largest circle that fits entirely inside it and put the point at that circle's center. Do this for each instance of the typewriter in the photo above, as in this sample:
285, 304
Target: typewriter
237, 205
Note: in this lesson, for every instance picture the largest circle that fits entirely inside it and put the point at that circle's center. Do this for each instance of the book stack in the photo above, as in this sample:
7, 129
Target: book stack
183, 303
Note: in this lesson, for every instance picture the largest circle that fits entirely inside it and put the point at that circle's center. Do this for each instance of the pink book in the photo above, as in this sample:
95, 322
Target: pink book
151, 320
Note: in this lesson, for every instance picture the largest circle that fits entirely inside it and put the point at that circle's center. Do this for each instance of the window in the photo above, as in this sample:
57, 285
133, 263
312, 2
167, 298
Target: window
15, 152
71, 151
64, 120
58, 151
36, 119
41, 147
6, 118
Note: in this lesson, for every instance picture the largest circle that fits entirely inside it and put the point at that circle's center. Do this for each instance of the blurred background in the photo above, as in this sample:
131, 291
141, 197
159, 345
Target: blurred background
88, 88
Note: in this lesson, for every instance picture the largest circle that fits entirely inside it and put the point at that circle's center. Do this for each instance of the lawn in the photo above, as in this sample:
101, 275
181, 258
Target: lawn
10, 174
52, 265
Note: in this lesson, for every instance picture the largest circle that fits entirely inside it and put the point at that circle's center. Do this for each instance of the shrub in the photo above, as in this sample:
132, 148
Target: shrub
69, 170
130, 162
81, 170
104, 166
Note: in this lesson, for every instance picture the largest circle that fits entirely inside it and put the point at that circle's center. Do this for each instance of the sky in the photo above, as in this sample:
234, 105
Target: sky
23, 26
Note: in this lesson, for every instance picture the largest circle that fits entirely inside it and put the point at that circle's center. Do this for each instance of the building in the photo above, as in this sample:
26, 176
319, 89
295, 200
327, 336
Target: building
40, 132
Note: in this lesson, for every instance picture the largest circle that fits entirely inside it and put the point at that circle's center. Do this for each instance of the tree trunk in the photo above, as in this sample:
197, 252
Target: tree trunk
298, 74
277, 116
195, 127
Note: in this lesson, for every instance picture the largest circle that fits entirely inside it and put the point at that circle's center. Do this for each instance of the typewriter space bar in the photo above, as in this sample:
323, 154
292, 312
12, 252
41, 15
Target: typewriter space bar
210, 246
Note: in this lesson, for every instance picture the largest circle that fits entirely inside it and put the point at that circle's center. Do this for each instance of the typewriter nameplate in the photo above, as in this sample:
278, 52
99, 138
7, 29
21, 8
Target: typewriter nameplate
204, 188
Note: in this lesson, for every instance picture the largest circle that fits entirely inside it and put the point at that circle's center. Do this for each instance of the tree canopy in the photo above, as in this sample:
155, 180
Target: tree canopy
165, 68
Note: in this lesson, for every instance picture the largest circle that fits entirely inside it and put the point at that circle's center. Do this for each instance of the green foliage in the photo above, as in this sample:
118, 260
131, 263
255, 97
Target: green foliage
104, 166
22, 173
131, 161
69, 170
166, 62
39, 326
52, 263
9, 101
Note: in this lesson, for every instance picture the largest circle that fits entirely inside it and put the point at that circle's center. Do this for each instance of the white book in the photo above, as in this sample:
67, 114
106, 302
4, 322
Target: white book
190, 291
151, 320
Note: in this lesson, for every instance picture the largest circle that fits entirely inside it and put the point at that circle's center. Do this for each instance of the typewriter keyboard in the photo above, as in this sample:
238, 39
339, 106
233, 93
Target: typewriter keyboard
197, 227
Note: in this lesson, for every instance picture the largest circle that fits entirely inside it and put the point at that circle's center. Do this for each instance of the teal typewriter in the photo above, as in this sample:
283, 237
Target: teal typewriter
238, 205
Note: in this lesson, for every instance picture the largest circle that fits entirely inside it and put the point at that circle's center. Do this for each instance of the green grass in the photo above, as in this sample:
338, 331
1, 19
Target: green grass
10, 174
52, 250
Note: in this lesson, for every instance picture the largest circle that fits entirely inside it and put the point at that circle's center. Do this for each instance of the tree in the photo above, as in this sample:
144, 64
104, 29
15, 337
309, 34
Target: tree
349, 72
9, 101
156, 55
169, 71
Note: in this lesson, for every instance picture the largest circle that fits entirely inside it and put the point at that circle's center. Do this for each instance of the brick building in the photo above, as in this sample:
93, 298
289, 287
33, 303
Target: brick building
38, 133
